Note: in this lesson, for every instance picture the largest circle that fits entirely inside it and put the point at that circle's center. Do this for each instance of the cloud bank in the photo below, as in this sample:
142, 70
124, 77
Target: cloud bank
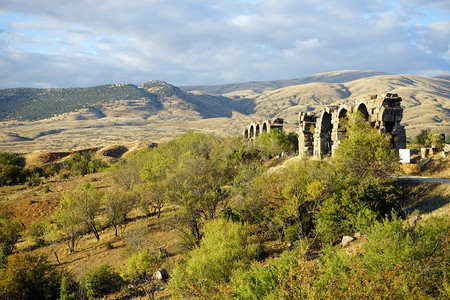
50, 43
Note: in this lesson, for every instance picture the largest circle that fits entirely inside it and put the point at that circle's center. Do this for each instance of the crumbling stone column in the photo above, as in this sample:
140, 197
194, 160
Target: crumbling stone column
307, 123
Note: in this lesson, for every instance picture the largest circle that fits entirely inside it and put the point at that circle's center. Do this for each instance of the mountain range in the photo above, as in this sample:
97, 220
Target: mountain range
64, 118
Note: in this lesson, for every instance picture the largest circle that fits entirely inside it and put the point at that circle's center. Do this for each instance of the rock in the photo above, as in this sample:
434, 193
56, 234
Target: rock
161, 275
347, 240
423, 162
357, 235
413, 220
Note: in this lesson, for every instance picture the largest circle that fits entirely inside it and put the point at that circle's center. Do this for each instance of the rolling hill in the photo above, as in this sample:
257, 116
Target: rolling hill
37, 119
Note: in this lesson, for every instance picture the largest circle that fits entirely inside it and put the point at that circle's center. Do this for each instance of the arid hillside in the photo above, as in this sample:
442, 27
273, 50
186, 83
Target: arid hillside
162, 111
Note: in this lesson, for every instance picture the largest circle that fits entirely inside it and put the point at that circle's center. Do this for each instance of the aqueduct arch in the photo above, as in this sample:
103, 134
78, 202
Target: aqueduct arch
362, 108
256, 129
321, 134
251, 130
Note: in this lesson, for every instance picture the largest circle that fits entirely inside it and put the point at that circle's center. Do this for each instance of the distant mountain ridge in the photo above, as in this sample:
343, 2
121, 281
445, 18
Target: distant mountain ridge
261, 86
426, 101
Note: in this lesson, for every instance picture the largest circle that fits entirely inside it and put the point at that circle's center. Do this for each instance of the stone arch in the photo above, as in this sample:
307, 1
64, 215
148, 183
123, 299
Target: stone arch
251, 131
342, 114
338, 130
265, 127
362, 108
257, 130
246, 132
323, 136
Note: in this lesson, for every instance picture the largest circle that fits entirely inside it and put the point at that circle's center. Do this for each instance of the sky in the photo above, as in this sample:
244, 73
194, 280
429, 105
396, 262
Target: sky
55, 44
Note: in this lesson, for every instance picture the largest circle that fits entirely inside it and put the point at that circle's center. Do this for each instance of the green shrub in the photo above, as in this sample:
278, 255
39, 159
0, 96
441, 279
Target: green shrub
275, 142
263, 280
69, 287
34, 180
101, 281
29, 276
140, 268
223, 249
11, 168
10, 228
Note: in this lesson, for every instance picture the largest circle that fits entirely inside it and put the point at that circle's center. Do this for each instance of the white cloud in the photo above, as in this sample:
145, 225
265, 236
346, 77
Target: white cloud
91, 42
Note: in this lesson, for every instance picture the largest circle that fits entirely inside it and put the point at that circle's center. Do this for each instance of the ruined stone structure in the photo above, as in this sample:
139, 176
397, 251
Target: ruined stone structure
256, 129
320, 134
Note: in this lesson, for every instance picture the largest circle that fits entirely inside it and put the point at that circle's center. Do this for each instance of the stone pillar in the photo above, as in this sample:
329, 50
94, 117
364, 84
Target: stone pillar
307, 123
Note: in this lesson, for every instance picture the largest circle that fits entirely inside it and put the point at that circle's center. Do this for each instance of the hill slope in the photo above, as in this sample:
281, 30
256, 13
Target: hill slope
57, 119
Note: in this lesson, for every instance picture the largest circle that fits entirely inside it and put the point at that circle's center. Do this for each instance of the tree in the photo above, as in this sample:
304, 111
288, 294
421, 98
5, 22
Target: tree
78, 164
365, 151
10, 228
197, 187
360, 188
87, 203
425, 138
69, 221
154, 195
118, 204
127, 173
185, 171
29, 276
77, 211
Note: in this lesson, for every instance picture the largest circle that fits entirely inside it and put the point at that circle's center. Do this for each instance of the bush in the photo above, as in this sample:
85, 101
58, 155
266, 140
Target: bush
209, 267
262, 280
354, 207
275, 142
139, 269
101, 281
10, 228
11, 168
396, 262
79, 164
29, 276
69, 289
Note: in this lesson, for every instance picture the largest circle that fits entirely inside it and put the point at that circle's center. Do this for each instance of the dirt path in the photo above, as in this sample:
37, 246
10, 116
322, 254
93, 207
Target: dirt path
423, 179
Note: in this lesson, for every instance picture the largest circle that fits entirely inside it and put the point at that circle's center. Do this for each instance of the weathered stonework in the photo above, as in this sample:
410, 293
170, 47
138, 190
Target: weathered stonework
256, 129
320, 134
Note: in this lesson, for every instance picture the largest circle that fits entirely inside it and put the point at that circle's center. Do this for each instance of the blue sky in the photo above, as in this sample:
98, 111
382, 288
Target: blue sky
51, 43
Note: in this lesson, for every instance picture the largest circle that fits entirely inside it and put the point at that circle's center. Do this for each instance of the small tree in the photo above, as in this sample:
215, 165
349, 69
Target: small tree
197, 187
87, 202
118, 204
10, 228
69, 221
29, 276
275, 142
127, 173
154, 195
365, 151
425, 138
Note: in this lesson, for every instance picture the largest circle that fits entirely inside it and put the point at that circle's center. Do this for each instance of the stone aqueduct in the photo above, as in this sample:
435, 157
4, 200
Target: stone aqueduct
321, 133
256, 129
